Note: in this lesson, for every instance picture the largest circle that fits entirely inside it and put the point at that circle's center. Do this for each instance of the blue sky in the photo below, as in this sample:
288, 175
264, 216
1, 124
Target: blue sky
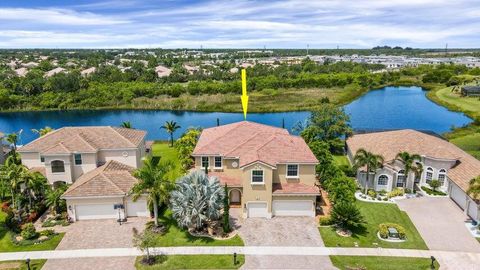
238, 23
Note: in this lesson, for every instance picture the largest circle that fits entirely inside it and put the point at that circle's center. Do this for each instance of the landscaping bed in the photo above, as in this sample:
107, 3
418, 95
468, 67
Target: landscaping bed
374, 214
432, 192
21, 265
381, 263
192, 262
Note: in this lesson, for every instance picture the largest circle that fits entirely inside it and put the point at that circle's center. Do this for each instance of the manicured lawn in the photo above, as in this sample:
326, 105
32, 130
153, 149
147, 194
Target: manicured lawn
192, 262
341, 160
21, 265
6, 244
469, 143
470, 105
382, 263
179, 237
163, 150
374, 214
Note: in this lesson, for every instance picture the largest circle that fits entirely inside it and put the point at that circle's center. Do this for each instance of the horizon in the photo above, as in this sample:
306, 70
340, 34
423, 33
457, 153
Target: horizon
291, 24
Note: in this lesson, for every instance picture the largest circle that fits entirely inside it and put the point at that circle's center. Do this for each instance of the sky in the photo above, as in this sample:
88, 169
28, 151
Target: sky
239, 23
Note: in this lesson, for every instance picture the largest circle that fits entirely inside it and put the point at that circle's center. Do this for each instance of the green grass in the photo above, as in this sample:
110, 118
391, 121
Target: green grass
163, 150
176, 236
192, 262
382, 263
470, 143
430, 191
341, 160
454, 101
34, 265
374, 214
6, 244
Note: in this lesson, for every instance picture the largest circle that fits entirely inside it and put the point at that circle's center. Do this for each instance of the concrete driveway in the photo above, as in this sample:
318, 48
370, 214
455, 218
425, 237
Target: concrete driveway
441, 223
282, 231
97, 234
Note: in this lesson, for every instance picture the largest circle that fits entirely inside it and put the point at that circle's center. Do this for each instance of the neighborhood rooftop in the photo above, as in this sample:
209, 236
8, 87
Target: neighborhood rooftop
111, 179
85, 139
252, 142
390, 143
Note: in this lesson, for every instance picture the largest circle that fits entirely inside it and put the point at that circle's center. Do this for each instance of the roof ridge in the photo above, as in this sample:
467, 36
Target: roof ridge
45, 136
95, 172
111, 182
237, 124
123, 137
247, 140
80, 134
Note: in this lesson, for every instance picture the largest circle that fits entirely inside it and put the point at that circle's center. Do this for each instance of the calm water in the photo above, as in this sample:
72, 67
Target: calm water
388, 108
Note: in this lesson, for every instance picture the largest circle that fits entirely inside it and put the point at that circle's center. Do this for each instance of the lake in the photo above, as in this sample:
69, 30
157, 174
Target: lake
386, 108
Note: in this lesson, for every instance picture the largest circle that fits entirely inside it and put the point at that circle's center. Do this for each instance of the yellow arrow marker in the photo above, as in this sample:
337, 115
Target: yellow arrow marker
244, 94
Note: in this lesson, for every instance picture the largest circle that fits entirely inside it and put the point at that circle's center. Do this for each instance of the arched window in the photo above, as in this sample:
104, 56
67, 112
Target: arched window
442, 175
57, 166
401, 178
382, 180
429, 174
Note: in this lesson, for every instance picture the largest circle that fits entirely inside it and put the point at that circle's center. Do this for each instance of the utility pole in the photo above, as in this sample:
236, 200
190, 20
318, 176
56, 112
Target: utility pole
308, 45
446, 49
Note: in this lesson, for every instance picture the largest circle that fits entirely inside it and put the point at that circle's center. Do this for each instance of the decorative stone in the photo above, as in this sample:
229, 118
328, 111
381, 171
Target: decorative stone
18, 238
43, 238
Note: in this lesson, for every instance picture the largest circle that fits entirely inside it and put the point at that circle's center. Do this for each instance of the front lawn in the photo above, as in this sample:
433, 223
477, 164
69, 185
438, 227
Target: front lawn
163, 150
192, 262
470, 143
21, 265
6, 244
374, 214
176, 236
341, 160
381, 263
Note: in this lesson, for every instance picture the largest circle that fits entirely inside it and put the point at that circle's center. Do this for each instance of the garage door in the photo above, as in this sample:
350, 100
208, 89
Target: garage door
138, 208
473, 209
257, 209
293, 208
95, 211
458, 196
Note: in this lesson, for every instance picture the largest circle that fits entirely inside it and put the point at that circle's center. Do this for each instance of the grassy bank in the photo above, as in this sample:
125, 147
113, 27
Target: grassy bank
381, 263
21, 265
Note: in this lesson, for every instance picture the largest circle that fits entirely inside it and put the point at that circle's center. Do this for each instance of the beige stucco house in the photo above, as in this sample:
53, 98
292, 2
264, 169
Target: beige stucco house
441, 160
268, 171
93, 157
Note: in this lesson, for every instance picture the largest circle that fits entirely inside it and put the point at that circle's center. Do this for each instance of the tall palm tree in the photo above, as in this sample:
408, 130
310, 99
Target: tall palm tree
126, 124
410, 163
474, 188
43, 131
154, 180
12, 139
170, 127
34, 185
370, 160
15, 175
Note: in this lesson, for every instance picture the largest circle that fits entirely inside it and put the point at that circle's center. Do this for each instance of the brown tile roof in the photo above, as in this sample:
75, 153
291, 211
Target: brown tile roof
85, 139
389, 143
111, 179
226, 179
252, 142
294, 189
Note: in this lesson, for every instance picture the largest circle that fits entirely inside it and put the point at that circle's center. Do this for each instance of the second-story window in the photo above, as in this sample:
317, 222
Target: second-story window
78, 159
292, 170
257, 176
218, 162
205, 162
57, 166
42, 159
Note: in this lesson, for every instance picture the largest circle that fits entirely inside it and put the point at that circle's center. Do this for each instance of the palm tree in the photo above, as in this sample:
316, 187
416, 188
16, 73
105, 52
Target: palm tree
197, 200
474, 188
12, 139
54, 198
154, 181
370, 160
43, 131
126, 124
34, 185
170, 127
410, 163
15, 175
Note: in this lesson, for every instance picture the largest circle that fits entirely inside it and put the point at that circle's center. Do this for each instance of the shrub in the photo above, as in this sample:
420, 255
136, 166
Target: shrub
12, 222
408, 191
433, 192
325, 221
346, 216
383, 230
372, 193
48, 232
5, 207
396, 192
28, 231
382, 192
32, 216
434, 184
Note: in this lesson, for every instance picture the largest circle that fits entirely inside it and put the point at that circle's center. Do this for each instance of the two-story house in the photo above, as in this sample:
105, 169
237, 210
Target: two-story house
268, 171
97, 162
440, 160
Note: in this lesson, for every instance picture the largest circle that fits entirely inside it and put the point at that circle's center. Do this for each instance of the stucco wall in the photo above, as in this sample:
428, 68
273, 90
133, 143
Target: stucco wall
131, 158
89, 162
257, 192
66, 176
31, 160
306, 174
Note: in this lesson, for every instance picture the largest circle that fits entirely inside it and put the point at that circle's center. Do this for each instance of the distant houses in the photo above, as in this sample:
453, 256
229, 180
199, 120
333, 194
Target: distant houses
470, 91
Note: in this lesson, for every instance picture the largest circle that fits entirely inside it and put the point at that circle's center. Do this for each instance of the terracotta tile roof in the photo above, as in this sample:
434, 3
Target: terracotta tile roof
294, 188
251, 142
40, 170
85, 139
226, 179
111, 179
389, 143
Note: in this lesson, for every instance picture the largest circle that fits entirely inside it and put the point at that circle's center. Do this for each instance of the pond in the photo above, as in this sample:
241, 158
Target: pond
386, 108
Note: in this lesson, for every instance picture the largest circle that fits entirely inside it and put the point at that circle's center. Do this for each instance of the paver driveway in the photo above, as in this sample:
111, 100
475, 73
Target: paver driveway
440, 223
282, 231
97, 234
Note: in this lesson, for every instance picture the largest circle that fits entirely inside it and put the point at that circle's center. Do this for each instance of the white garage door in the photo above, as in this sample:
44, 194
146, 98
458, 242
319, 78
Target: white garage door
138, 208
473, 210
458, 196
257, 209
293, 208
95, 211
